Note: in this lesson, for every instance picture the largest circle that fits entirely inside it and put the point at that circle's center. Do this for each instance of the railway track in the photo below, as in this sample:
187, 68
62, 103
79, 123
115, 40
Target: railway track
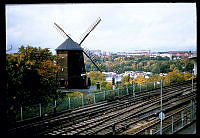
120, 119
151, 122
97, 113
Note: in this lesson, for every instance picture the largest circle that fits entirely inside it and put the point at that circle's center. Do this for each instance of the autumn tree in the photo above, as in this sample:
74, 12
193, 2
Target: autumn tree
31, 75
106, 85
140, 80
174, 77
188, 76
154, 78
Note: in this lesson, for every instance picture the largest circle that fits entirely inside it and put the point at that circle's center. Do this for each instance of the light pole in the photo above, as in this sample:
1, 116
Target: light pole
161, 113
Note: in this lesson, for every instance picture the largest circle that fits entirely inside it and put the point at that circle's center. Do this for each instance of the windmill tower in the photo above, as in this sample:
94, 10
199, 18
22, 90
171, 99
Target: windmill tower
72, 74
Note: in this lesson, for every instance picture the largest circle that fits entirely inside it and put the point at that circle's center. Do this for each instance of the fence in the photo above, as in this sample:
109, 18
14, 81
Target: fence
61, 104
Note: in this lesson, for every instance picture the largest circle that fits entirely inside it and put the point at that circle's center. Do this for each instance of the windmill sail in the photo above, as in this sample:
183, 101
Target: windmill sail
61, 31
85, 50
90, 29
92, 59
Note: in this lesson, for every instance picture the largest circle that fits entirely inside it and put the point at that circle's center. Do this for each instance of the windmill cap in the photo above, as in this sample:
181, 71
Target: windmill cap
69, 44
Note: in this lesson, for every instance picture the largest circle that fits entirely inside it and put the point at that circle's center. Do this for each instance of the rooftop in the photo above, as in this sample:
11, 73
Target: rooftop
69, 44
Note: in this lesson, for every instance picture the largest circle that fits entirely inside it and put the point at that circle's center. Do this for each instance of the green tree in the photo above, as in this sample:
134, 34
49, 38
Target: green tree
155, 68
126, 80
96, 76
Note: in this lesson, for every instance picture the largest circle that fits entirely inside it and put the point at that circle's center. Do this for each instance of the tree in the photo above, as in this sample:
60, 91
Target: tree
140, 80
96, 76
174, 77
31, 75
155, 68
103, 84
31, 78
164, 67
154, 78
187, 76
109, 85
106, 85
126, 79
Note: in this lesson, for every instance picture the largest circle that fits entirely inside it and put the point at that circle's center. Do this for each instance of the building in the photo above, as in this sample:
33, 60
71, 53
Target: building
71, 74
121, 53
180, 53
143, 52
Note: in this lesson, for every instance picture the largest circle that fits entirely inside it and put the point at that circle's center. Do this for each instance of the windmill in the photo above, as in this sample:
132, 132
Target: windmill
72, 74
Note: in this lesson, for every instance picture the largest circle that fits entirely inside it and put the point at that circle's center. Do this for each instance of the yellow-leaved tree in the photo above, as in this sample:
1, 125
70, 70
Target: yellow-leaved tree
174, 77
140, 80
188, 76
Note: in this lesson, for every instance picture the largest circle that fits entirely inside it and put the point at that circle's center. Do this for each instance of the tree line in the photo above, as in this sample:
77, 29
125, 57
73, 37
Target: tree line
171, 77
156, 65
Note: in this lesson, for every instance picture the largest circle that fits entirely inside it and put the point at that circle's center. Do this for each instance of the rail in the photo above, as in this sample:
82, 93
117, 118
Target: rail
62, 104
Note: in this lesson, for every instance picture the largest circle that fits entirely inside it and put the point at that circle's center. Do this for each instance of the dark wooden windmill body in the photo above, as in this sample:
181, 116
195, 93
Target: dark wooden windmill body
72, 73
72, 69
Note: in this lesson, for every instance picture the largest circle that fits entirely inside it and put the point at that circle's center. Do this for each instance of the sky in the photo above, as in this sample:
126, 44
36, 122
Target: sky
124, 27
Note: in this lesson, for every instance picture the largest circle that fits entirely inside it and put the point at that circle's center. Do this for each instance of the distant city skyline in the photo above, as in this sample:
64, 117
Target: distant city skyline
125, 27
146, 51
133, 51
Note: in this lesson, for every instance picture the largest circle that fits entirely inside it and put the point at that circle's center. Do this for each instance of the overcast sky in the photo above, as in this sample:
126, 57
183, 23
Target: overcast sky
124, 27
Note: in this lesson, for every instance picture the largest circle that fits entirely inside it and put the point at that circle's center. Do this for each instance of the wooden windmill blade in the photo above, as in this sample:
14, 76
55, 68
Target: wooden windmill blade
90, 29
61, 31
85, 51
